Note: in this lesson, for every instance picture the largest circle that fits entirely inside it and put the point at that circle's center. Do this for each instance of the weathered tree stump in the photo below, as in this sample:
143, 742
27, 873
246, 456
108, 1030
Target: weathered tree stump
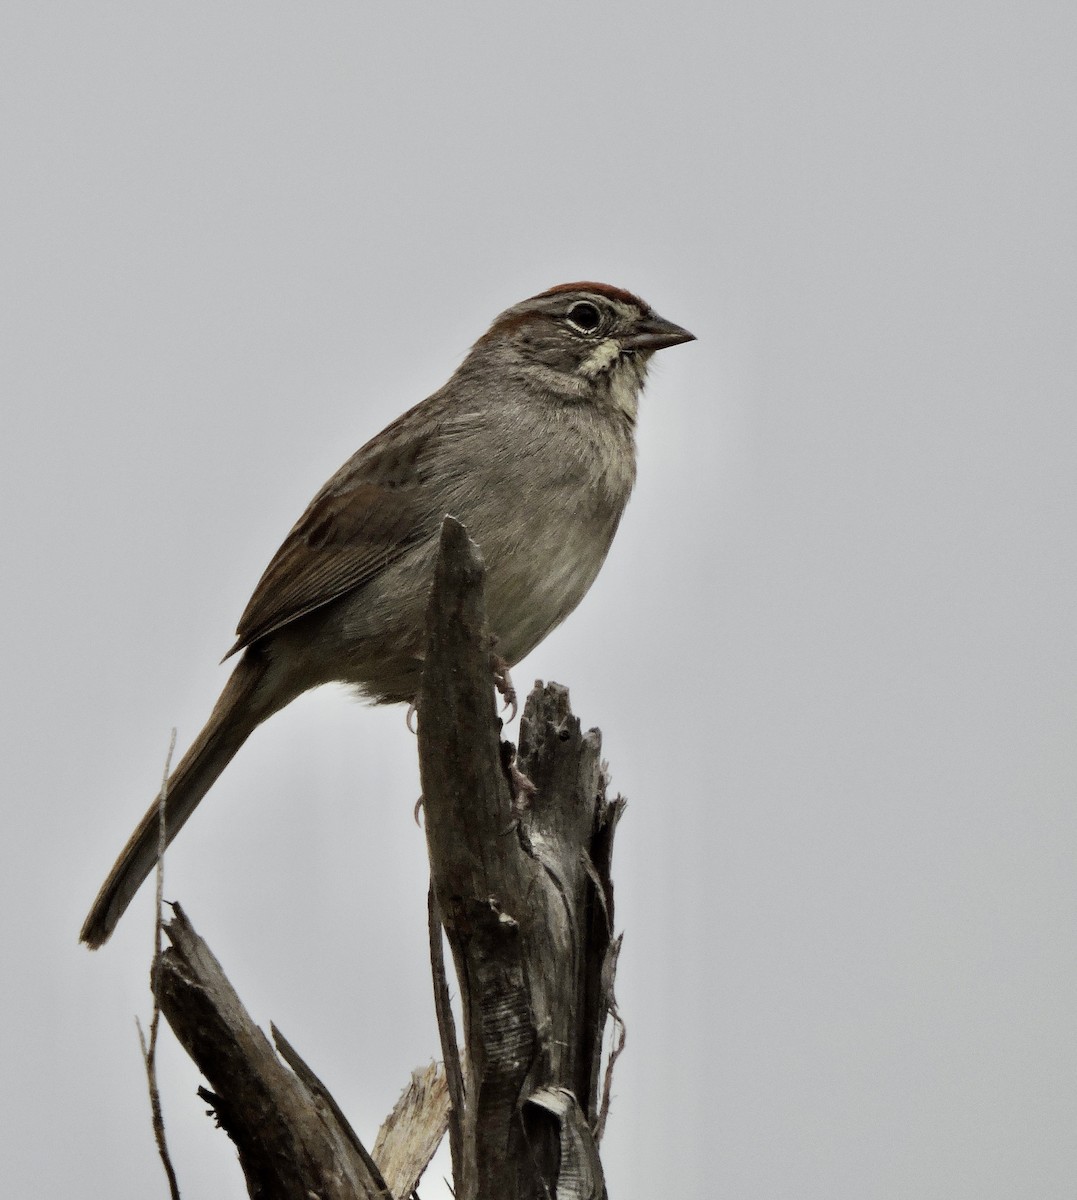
520, 851
521, 879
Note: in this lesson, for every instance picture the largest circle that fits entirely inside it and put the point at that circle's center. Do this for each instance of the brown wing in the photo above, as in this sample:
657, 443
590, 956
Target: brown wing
372, 510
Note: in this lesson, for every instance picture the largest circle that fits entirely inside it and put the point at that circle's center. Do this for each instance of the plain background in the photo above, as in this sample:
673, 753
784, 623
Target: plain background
833, 649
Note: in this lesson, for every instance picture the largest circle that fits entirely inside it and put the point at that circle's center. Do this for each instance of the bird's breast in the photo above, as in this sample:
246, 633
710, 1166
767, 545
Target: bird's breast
546, 535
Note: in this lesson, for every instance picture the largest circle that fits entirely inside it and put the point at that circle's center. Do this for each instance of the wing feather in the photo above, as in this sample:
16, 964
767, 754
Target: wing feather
371, 512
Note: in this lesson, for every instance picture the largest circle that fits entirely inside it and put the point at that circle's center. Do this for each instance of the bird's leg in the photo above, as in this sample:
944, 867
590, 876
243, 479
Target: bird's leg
522, 790
502, 678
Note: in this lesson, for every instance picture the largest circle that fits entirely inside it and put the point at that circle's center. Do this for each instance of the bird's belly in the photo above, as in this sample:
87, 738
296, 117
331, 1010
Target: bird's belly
533, 585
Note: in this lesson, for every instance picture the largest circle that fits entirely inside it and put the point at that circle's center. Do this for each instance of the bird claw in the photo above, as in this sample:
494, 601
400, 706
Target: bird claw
413, 712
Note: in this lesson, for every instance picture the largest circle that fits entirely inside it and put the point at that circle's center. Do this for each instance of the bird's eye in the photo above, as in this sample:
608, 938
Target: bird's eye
584, 316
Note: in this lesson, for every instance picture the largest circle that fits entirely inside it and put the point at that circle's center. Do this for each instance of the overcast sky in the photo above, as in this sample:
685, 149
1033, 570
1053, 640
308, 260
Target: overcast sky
833, 650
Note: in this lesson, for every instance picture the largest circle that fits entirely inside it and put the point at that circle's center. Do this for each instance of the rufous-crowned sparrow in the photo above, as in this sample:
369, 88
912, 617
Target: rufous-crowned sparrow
531, 444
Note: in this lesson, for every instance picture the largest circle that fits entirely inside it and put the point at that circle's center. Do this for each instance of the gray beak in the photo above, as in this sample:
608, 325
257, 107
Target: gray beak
656, 333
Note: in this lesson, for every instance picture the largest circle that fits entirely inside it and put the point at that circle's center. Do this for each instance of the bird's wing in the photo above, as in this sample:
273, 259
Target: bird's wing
370, 513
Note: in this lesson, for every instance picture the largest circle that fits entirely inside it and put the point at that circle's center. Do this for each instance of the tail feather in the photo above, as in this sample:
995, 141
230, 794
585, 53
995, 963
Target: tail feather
232, 721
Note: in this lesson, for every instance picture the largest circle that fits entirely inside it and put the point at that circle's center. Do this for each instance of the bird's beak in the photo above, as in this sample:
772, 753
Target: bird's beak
655, 333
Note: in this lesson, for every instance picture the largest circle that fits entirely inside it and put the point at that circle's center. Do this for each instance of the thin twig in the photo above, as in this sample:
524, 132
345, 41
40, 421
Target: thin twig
318, 1089
450, 1047
607, 1082
620, 1031
149, 1051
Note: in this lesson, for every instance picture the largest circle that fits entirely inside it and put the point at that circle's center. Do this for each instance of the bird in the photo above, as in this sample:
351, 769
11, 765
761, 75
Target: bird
530, 444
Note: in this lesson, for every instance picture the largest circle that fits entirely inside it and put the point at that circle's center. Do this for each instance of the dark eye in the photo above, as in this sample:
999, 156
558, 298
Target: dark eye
584, 316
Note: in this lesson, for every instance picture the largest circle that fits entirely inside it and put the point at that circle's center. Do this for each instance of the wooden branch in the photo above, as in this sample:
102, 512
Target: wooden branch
292, 1141
523, 889
413, 1130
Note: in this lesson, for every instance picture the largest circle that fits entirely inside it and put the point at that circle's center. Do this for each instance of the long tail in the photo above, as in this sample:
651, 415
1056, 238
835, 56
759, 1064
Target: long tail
232, 721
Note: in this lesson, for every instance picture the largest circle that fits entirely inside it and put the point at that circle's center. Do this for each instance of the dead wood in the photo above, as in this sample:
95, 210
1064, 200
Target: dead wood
521, 879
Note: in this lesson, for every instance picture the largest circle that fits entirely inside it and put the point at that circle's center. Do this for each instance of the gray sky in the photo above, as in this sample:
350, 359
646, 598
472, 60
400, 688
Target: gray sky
236, 240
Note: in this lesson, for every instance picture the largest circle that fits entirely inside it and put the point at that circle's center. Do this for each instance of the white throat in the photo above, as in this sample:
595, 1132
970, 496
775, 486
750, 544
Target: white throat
625, 375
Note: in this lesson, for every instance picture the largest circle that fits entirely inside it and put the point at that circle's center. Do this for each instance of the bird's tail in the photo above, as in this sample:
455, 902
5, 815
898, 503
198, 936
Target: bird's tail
232, 721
